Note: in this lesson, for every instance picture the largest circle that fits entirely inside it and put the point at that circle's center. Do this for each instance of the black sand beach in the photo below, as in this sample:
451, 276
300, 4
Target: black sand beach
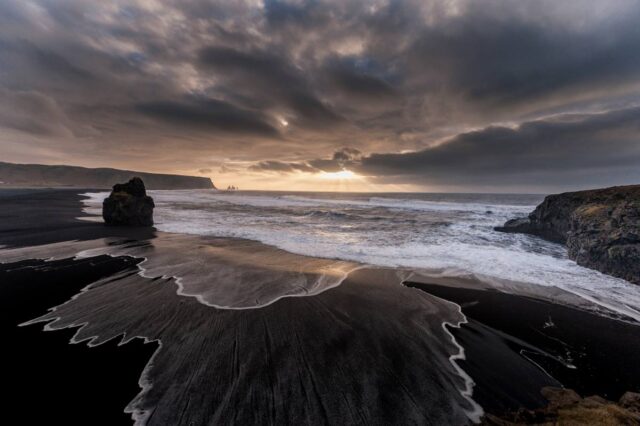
47, 380
368, 351
30, 217
577, 349
302, 360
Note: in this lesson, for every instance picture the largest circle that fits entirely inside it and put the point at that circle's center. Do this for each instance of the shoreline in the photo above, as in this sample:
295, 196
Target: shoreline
355, 301
46, 371
561, 341
311, 349
594, 290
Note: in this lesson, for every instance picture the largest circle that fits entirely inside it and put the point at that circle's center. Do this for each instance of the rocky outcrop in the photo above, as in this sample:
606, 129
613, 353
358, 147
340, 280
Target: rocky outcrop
601, 228
128, 205
566, 407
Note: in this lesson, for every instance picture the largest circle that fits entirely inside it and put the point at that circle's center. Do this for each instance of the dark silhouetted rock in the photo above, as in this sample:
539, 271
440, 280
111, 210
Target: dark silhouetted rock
601, 228
128, 205
521, 225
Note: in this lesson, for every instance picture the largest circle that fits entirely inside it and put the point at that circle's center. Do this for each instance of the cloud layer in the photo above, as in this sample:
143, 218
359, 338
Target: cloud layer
487, 95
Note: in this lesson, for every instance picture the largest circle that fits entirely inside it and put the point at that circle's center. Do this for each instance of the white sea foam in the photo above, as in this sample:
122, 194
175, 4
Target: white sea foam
454, 235
476, 412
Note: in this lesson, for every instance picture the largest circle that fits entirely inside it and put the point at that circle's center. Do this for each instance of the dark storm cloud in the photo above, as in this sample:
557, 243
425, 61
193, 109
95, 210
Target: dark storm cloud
261, 65
33, 113
538, 151
342, 159
326, 165
271, 80
347, 154
508, 59
57, 66
282, 167
259, 82
209, 113
362, 84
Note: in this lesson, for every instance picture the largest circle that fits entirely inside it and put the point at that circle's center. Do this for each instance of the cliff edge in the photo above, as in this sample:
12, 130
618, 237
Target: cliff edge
39, 175
600, 227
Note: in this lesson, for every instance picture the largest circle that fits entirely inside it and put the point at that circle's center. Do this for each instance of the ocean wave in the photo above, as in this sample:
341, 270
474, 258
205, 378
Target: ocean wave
427, 235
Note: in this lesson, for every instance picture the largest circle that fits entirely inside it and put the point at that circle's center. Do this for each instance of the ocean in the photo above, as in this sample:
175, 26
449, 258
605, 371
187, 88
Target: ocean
446, 234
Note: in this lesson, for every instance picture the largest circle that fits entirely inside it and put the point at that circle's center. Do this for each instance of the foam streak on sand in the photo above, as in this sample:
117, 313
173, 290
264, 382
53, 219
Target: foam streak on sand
246, 274
429, 232
139, 416
235, 275
235, 361
476, 413
235, 355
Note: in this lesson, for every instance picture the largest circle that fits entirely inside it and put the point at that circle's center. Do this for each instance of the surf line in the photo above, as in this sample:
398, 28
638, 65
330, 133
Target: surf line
181, 291
138, 414
476, 412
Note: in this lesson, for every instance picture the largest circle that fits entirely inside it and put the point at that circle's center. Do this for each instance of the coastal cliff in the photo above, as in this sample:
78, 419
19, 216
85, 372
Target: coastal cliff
38, 175
601, 228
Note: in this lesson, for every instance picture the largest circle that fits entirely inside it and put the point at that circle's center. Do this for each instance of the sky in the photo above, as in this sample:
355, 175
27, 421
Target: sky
444, 95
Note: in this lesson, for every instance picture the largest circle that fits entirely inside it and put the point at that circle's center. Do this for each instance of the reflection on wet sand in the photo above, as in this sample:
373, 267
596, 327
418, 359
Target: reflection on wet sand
367, 350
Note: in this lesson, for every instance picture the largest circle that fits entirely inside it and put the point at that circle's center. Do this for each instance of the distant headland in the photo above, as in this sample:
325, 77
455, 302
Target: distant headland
39, 175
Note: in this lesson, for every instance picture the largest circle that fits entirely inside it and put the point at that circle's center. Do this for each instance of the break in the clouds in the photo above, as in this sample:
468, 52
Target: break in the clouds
486, 95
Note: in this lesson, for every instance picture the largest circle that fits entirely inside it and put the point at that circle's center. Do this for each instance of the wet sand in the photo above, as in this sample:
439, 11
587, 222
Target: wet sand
47, 380
30, 217
242, 333
368, 351
580, 350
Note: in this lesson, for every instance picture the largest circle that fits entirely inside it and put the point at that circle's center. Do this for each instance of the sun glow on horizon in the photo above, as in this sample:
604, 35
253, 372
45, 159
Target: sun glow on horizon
340, 181
341, 175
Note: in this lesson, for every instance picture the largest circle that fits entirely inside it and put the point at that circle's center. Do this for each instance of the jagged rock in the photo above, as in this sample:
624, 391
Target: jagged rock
519, 225
129, 205
594, 401
566, 407
601, 228
560, 397
631, 401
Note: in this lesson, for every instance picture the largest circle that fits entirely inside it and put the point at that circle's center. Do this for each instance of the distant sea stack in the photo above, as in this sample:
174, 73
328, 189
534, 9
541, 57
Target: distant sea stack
600, 227
37, 175
128, 205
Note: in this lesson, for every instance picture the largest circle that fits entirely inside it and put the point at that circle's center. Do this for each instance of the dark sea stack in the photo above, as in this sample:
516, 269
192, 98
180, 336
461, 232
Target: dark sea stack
601, 228
128, 205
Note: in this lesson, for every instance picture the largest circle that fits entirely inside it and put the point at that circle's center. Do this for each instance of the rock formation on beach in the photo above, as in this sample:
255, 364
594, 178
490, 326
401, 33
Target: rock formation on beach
566, 407
601, 228
128, 204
